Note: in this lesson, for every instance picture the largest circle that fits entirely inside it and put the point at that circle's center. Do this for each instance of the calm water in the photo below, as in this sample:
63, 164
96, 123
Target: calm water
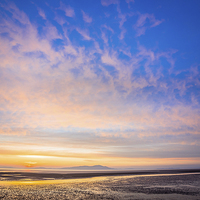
154, 187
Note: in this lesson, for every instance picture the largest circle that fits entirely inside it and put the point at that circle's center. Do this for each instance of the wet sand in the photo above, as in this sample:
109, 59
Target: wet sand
14, 175
163, 184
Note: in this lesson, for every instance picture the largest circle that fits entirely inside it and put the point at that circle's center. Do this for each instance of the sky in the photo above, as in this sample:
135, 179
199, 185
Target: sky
104, 82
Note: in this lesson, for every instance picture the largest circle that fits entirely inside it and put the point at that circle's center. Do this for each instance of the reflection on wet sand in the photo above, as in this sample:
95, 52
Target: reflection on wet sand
48, 181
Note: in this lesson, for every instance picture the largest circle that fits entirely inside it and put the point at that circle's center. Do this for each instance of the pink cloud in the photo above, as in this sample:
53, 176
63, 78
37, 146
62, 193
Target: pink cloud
107, 59
122, 34
41, 13
129, 1
16, 13
84, 33
109, 2
35, 96
86, 17
140, 26
69, 12
108, 28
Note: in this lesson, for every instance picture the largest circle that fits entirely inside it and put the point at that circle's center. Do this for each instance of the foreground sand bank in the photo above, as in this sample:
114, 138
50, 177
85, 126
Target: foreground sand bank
180, 186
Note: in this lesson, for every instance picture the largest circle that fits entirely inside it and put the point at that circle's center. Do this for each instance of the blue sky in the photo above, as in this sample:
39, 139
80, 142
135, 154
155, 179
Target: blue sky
100, 82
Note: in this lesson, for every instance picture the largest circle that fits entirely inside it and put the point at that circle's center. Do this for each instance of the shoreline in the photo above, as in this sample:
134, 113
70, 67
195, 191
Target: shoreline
16, 175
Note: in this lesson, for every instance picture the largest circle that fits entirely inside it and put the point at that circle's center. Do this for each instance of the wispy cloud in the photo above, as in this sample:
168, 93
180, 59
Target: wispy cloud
84, 33
103, 35
142, 25
69, 11
108, 28
93, 92
41, 13
123, 19
109, 2
86, 17
129, 1
17, 14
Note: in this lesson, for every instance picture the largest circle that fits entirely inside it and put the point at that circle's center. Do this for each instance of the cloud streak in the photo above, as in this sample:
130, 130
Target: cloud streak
142, 25
86, 17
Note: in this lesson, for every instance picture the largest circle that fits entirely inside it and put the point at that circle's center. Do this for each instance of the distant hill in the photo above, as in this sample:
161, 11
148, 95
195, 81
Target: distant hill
94, 167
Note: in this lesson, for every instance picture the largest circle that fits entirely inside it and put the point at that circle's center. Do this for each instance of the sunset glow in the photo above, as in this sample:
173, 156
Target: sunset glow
107, 82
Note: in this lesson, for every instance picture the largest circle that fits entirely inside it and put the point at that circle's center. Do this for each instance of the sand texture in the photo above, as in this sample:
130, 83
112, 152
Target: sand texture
154, 187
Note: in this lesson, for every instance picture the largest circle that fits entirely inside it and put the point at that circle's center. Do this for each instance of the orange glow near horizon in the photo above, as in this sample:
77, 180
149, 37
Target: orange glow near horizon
60, 156
59, 162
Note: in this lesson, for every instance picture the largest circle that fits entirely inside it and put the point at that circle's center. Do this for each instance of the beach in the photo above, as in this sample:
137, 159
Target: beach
153, 184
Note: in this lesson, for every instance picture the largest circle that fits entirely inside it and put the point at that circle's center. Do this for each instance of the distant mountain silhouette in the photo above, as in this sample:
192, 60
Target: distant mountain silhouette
94, 167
